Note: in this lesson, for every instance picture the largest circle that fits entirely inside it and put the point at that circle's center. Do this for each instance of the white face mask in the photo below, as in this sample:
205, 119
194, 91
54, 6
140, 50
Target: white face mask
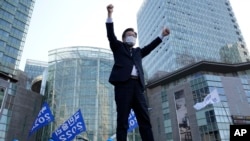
130, 40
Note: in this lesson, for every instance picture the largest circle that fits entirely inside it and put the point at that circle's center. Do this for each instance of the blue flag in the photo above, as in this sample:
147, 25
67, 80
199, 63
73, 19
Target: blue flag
44, 117
70, 128
132, 122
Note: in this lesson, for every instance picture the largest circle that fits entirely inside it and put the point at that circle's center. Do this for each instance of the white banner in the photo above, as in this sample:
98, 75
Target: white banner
211, 98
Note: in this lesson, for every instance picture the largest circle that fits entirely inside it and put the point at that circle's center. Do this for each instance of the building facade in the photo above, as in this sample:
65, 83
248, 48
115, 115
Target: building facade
173, 95
16, 118
33, 69
198, 30
14, 22
234, 53
78, 79
19, 108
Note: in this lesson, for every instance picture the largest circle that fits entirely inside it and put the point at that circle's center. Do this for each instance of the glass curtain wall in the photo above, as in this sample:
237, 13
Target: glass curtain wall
214, 120
78, 79
14, 22
199, 29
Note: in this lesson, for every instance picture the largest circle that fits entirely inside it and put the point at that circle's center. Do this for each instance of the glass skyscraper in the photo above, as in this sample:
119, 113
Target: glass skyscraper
14, 22
198, 31
15, 117
78, 79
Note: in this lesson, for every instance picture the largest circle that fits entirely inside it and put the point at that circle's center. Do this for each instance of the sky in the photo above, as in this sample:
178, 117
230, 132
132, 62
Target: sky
65, 23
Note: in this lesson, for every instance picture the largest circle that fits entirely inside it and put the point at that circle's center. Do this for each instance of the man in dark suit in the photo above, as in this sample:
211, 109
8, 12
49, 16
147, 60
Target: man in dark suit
128, 79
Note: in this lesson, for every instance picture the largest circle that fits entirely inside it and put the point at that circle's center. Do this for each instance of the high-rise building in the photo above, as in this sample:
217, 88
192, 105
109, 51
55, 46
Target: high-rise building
33, 69
78, 79
16, 118
198, 30
14, 22
234, 53
172, 97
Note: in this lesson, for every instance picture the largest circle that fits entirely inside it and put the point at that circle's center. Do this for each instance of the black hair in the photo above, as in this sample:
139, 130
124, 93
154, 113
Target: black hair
126, 30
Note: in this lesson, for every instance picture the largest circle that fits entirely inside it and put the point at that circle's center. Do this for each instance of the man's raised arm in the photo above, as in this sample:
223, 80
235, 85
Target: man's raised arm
110, 28
110, 11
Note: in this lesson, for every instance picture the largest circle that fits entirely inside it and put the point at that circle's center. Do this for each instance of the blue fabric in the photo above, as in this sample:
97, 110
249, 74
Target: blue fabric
44, 117
70, 128
132, 121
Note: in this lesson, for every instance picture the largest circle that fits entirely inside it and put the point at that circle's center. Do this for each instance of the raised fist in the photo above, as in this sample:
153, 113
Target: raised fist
165, 32
110, 8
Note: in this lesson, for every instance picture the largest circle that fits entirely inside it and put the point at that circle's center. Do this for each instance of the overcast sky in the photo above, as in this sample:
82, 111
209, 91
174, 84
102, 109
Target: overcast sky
64, 23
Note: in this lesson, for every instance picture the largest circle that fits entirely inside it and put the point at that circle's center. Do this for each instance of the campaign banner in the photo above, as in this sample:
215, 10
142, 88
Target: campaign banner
182, 116
44, 117
132, 121
70, 128
211, 98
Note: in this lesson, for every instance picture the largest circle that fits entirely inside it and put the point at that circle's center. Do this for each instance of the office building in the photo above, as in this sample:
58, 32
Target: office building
19, 108
172, 97
78, 79
14, 22
33, 69
234, 53
198, 31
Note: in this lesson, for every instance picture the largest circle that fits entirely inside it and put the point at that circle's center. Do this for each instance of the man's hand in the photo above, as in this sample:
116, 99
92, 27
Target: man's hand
165, 32
110, 8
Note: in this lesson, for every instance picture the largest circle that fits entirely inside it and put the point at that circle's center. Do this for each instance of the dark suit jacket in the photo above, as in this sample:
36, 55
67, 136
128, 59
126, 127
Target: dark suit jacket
123, 61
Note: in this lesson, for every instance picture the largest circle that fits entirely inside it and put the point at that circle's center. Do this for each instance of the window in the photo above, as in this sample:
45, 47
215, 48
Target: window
4, 33
245, 53
242, 46
210, 116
